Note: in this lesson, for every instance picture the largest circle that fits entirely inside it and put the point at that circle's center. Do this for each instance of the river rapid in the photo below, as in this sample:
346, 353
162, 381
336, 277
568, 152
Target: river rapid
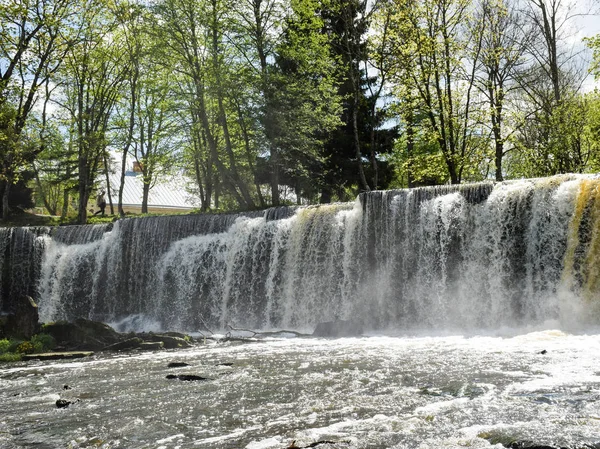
449, 391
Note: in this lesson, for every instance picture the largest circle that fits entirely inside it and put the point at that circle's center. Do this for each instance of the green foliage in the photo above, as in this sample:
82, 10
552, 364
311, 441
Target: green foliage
43, 342
4, 345
26, 347
10, 357
594, 44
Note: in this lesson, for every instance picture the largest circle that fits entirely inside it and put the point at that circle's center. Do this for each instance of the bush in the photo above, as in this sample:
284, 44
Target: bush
25, 348
43, 342
4, 346
10, 357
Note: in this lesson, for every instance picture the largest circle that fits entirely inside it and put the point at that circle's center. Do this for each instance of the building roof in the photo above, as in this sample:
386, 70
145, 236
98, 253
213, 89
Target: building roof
170, 192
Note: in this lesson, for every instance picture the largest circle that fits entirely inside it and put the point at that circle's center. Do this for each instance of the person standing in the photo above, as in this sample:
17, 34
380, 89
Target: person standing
101, 203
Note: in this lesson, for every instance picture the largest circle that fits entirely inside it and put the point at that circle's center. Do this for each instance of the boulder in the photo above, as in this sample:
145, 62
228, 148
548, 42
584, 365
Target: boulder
63, 403
338, 329
152, 345
83, 334
177, 364
126, 345
169, 341
24, 323
186, 377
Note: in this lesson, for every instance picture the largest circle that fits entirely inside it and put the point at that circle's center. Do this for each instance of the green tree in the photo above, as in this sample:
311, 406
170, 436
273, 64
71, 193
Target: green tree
34, 37
434, 43
94, 72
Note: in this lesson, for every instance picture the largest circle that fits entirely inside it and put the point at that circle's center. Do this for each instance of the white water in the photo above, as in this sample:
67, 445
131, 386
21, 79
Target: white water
473, 257
425, 392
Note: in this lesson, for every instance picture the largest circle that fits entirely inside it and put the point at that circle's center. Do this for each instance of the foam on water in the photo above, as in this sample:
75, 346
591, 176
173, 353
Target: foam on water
412, 392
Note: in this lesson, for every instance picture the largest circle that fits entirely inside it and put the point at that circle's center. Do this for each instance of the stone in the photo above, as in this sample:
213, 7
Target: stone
58, 356
152, 345
338, 329
177, 364
126, 345
83, 334
63, 403
169, 341
186, 377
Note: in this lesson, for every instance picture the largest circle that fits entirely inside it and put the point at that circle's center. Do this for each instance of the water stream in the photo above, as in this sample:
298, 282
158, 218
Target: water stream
378, 392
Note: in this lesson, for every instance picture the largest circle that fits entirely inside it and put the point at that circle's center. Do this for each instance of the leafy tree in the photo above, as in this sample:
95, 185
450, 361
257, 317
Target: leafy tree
93, 74
34, 38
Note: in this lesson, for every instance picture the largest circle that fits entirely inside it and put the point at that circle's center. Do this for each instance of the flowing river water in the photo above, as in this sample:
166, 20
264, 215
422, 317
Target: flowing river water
373, 392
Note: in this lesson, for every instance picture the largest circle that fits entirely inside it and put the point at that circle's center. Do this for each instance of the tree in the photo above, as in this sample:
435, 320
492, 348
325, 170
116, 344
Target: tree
94, 72
551, 87
505, 38
34, 38
191, 32
432, 38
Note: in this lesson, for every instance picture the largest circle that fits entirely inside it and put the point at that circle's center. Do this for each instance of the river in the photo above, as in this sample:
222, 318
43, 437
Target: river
447, 391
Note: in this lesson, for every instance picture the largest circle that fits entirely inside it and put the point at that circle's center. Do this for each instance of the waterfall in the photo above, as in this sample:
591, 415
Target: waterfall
477, 256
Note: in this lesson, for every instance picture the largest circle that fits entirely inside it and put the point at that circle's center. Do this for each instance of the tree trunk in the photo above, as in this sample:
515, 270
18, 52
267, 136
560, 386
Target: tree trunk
5, 197
145, 193
108, 189
65, 207
275, 197
84, 191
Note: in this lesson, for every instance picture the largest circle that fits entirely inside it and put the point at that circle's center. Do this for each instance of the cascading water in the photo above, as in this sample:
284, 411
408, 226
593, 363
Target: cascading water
452, 257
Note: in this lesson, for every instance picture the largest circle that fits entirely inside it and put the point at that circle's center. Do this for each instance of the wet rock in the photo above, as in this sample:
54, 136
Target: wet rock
63, 403
337, 329
530, 445
187, 377
169, 342
83, 334
58, 355
178, 335
543, 352
126, 345
24, 323
224, 364
177, 364
152, 345
66, 387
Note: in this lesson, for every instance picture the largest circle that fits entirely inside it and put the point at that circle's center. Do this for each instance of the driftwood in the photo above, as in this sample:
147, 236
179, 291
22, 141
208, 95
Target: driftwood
262, 334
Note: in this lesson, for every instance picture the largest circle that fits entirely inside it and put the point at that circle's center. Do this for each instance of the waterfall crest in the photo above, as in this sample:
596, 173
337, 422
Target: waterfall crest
451, 257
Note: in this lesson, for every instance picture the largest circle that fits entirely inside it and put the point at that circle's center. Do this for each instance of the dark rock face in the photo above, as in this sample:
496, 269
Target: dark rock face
83, 334
25, 321
337, 329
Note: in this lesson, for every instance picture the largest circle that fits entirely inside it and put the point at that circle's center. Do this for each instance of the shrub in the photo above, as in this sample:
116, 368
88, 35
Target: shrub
43, 342
10, 357
13, 345
4, 345
25, 348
